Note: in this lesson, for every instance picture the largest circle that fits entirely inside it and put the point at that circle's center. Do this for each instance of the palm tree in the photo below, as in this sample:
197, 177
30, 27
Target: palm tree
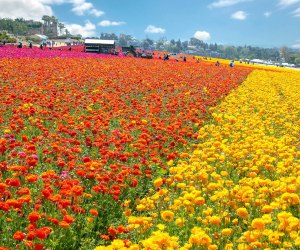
46, 20
61, 26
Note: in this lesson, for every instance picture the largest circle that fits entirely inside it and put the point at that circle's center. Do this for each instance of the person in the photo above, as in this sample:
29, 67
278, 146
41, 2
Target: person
166, 57
184, 59
217, 63
30, 45
20, 45
231, 64
41, 46
198, 60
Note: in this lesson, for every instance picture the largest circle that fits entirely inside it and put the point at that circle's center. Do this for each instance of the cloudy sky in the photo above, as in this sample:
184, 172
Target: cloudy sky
266, 23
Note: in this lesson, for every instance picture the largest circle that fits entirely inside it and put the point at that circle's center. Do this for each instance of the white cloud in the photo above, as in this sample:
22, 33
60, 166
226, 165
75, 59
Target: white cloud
153, 29
96, 12
267, 14
107, 23
286, 3
296, 46
225, 3
89, 29
81, 7
239, 15
202, 35
35, 9
296, 12
28, 9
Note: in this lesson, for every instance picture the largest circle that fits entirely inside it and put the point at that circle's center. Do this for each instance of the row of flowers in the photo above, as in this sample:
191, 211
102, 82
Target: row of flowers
81, 136
48, 52
240, 187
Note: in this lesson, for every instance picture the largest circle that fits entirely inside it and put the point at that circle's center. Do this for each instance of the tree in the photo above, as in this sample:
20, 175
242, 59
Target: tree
284, 53
61, 26
185, 45
46, 20
297, 60
125, 40
196, 42
147, 43
108, 36
68, 34
179, 44
160, 45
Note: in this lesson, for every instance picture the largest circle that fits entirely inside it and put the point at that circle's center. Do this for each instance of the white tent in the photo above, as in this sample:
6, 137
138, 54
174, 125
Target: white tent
42, 37
99, 41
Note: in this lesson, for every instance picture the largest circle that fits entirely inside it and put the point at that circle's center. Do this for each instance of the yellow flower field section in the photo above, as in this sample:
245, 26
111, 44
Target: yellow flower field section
240, 187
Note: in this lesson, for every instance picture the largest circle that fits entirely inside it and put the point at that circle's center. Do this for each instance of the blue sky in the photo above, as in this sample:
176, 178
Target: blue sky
266, 23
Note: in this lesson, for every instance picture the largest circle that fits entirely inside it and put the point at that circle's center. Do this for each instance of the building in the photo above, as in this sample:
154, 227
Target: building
99, 46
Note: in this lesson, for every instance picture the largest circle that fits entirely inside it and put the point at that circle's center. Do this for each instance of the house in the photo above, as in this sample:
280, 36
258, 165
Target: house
99, 46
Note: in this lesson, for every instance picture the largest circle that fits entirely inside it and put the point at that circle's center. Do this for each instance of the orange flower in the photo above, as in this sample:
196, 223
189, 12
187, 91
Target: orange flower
19, 236
167, 215
77, 190
4, 206
64, 224
258, 223
242, 212
13, 182
94, 212
31, 178
69, 219
34, 217
215, 220
112, 232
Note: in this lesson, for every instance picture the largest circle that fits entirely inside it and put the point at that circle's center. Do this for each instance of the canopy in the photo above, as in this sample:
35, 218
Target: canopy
43, 37
99, 41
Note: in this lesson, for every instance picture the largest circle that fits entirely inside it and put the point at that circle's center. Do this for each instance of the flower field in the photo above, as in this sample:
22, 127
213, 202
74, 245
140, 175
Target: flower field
121, 153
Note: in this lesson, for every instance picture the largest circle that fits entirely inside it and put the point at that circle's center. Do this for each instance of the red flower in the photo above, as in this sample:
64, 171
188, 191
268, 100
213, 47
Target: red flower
77, 190
31, 235
34, 217
94, 212
133, 182
64, 224
4, 206
69, 219
13, 182
19, 236
112, 232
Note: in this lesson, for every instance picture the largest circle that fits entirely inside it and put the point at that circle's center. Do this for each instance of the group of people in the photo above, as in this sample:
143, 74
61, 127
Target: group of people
20, 45
166, 57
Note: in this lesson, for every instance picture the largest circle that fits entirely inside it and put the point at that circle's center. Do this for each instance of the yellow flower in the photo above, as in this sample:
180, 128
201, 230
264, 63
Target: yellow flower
258, 223
180, 222
200, 239
158, 182
274, 238
167, 215
242, 212
199, 201
215, 220
267, 209
227, 231
117, 244
161, 227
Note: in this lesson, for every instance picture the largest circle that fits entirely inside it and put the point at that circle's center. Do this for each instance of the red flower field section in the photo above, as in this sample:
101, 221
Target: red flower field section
79, 136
